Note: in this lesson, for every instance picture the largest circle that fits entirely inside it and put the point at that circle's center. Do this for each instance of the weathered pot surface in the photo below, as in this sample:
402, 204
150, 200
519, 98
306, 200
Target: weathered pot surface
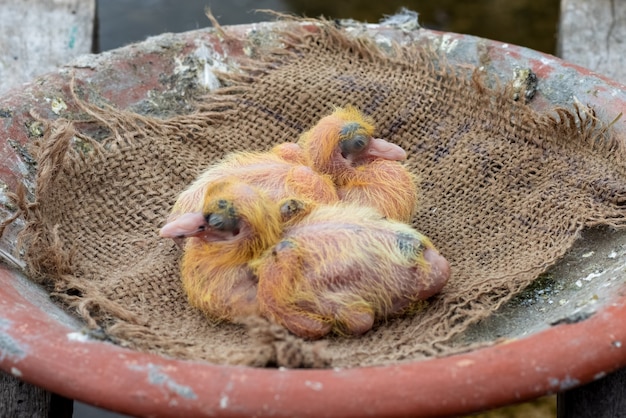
41, 344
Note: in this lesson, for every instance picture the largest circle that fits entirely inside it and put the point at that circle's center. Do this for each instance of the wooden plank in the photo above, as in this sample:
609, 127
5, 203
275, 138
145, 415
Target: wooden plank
39, 36
21, 400
604, 398
592, 34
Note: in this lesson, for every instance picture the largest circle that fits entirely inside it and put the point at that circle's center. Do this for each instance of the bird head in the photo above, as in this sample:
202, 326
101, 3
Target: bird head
235, 216
345, 139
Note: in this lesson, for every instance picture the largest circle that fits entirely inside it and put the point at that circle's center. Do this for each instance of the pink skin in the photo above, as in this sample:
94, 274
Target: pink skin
380, 148
291, 152
186, 225
192, 225
438, 275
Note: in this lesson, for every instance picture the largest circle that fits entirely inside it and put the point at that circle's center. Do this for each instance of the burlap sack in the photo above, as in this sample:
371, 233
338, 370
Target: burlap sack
504, 192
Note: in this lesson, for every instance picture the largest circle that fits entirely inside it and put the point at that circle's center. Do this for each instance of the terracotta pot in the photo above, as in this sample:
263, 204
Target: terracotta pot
42, 345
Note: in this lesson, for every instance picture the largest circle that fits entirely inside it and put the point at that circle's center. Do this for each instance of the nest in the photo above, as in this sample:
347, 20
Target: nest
504, 193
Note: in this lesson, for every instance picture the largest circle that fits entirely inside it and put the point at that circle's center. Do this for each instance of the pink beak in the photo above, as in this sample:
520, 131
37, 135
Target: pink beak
186, 225
381, 148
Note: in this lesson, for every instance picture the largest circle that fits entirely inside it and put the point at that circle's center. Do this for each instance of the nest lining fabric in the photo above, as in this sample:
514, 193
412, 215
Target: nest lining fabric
504, 192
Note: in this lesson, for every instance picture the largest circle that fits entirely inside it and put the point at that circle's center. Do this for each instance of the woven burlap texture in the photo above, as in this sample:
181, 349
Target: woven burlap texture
504, 192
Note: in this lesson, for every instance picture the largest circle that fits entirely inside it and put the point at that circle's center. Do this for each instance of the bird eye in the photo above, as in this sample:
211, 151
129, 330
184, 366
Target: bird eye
215, 221
359, 142
221, 223
353, 145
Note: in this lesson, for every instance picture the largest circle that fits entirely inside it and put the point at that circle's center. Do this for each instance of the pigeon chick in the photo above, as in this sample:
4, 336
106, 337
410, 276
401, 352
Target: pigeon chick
366, 170
278, 172
236, 224
342, 267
